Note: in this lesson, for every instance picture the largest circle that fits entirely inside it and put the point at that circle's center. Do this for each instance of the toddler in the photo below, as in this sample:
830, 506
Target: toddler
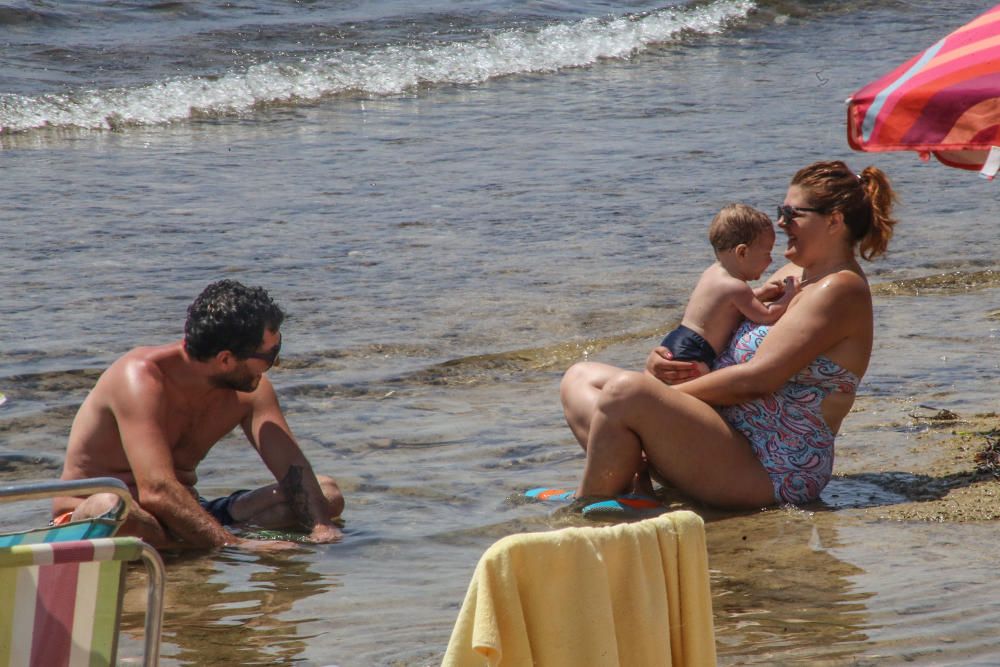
742, 238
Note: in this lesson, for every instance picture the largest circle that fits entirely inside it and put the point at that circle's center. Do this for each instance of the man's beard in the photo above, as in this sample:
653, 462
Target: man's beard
239, 379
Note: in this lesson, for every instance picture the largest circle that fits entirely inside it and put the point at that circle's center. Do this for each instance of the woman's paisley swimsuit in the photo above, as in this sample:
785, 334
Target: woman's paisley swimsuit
786, 429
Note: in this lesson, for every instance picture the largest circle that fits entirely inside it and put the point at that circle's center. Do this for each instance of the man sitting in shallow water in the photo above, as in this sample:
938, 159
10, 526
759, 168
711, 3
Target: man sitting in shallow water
155, 413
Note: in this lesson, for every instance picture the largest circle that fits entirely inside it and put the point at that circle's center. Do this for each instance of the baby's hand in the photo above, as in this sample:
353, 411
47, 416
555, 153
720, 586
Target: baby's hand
769, 291
791, 288
776, 308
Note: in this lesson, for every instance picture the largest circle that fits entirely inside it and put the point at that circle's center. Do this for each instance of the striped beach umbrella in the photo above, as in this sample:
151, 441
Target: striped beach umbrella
944, 101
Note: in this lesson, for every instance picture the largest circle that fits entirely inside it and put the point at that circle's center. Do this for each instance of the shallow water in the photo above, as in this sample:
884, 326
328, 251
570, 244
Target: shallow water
445, 252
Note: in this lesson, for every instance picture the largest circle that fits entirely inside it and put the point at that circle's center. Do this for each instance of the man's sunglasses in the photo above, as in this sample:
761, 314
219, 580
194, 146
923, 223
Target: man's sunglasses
270, 357
787, 212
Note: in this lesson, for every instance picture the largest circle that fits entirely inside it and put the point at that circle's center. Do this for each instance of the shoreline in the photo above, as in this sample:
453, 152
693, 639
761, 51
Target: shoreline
955, 476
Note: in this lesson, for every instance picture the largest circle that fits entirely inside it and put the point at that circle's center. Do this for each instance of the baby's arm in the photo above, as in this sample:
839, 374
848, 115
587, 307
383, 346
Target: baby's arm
746, 302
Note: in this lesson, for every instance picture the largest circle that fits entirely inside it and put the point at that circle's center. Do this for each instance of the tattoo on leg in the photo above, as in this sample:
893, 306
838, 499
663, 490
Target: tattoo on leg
295, 496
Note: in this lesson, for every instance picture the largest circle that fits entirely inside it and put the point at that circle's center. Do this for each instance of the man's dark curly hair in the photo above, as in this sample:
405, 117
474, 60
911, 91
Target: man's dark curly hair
228, 315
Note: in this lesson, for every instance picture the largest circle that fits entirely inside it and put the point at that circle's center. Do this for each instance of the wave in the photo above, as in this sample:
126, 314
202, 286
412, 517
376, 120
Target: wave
387, 70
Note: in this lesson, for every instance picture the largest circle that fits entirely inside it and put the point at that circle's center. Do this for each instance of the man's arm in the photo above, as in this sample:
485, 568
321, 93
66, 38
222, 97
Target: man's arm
268, 431
138, 403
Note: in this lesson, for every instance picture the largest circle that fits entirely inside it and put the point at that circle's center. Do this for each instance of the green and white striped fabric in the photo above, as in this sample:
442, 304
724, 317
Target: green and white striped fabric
60, 602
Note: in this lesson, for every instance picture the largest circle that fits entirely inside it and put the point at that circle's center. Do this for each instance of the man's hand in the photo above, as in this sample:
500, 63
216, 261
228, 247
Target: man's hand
661, 364
325, 535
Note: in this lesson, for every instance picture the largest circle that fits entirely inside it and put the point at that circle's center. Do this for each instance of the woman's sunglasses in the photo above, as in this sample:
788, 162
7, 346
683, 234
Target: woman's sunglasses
787, 212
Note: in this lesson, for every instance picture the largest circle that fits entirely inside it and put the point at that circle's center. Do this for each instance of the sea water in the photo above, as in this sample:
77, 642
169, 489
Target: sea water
454, 202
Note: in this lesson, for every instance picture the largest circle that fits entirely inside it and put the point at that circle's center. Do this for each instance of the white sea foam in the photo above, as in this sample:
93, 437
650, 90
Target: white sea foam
385, 71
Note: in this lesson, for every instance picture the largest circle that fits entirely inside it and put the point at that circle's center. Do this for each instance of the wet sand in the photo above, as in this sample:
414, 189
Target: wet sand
955, 473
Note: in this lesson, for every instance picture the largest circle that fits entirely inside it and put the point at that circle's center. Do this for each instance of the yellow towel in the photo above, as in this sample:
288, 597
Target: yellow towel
632, 594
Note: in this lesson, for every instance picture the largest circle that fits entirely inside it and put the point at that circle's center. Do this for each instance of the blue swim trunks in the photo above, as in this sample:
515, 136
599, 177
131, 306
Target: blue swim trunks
686, 344
219, 507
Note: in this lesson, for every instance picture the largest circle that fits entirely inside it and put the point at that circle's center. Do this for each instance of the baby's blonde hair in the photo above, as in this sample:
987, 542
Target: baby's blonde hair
736, 224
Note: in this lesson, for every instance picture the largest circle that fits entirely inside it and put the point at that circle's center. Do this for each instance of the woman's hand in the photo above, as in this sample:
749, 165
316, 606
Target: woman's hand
661, 364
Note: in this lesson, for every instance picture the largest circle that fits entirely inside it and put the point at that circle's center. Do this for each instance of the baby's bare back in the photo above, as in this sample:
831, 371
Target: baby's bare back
711, 310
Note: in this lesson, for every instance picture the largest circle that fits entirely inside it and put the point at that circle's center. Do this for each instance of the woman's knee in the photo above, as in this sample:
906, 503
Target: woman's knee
582, 380
625, 392
624, 387
575, 376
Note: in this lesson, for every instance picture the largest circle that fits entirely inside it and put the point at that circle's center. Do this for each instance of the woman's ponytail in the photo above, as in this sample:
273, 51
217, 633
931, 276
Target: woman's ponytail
881, 198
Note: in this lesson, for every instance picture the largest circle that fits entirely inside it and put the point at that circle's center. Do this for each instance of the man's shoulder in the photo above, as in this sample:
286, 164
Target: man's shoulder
139, 362
141, 370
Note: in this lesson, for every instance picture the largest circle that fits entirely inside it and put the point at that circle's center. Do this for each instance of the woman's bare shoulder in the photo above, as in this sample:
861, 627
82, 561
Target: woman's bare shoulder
841, 286
834, 307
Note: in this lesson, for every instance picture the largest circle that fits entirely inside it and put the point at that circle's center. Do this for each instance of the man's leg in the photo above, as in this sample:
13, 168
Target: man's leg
95, 506
267, 508
139, 522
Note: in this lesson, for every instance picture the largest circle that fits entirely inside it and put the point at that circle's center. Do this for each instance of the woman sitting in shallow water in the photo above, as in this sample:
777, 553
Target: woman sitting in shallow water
759, 429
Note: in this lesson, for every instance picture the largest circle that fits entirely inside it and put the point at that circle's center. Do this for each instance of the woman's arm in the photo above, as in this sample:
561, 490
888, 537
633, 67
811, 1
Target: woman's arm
819, 318
661, 364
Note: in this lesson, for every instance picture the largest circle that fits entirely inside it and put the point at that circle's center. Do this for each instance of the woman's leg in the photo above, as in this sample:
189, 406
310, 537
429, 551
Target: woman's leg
580, 390
684, 440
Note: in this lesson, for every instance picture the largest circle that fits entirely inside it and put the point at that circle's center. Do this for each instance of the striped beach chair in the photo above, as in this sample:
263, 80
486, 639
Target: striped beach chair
60, 602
